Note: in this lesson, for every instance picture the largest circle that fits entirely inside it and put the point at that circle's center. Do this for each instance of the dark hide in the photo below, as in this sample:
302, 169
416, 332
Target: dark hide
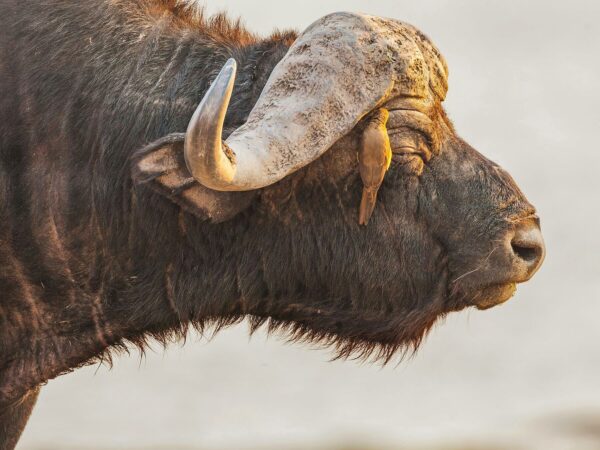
90, 260
13, 419
91, 83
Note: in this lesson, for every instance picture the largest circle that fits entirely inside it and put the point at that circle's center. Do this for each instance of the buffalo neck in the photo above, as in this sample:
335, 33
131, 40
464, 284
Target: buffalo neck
91, 263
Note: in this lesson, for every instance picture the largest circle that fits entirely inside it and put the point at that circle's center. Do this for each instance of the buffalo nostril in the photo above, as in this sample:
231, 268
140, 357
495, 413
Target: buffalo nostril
529, 254
528, 245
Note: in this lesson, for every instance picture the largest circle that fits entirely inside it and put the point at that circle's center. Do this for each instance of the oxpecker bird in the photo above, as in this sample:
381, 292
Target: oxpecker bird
374, 158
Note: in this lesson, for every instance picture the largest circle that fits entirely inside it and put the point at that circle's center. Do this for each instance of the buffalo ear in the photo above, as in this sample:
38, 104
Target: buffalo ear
161, 166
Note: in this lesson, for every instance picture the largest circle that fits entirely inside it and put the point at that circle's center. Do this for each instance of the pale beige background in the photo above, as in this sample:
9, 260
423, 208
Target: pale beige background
523, 90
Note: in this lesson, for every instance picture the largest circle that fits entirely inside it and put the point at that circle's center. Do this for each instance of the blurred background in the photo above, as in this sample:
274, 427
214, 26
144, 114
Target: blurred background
524, 90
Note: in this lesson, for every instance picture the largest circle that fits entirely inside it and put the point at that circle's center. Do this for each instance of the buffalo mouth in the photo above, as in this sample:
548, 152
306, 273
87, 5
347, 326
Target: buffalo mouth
494, 295
482, 298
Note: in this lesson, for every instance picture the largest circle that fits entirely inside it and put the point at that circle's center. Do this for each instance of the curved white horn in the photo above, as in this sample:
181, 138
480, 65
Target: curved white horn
341, 68
203, 149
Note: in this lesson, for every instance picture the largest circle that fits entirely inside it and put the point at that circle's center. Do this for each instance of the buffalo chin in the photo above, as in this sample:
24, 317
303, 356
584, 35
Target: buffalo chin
494, 295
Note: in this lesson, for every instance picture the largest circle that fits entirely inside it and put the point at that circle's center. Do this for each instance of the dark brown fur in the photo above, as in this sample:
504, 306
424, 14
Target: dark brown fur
13, 419
90, 261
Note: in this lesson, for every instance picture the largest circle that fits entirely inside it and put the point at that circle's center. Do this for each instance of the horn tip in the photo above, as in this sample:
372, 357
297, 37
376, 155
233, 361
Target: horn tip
230, 64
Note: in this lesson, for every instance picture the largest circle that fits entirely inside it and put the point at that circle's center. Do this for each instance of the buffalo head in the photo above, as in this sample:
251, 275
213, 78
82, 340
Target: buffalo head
450, 228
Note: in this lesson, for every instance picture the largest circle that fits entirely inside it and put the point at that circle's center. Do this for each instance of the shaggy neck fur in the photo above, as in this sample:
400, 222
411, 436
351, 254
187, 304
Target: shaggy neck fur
95, 81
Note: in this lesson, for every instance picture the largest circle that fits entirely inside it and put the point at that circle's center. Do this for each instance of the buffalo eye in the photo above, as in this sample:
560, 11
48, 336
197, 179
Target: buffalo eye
410, 151
408, 160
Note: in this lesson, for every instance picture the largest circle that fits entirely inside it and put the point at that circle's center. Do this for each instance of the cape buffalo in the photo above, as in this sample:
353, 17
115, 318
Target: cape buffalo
129, 212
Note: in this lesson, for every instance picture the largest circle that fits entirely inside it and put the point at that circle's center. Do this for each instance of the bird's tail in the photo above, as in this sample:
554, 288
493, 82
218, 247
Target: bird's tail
367, 205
